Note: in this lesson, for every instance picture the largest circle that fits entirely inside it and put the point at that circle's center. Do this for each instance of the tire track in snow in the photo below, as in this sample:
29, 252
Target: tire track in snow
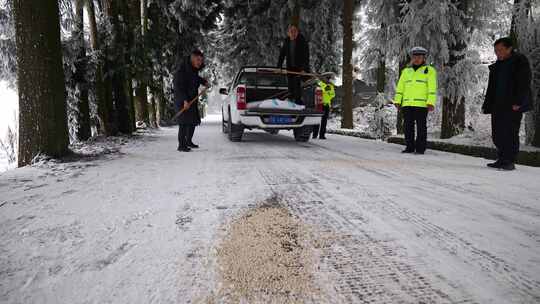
496, 266
391, 174
369, 270
483, 259
451, 242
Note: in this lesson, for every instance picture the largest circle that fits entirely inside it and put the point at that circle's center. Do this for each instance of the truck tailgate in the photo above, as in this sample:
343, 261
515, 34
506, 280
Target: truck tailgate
305, 112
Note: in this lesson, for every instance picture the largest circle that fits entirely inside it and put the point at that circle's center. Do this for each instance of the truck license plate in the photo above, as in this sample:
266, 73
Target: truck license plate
280, 120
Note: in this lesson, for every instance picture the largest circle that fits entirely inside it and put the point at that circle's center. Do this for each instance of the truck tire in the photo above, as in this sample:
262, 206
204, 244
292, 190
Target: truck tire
224, 126
234, 131
303, 134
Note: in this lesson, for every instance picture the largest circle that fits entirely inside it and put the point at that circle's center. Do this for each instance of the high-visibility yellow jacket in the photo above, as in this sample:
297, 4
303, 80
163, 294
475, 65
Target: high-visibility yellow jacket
417, 88
328, 92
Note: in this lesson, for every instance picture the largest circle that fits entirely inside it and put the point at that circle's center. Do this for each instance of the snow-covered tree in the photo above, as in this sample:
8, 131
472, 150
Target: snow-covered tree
80, 82
252, 33
526, 32
446, 29
118, 38
100, 89
8, 62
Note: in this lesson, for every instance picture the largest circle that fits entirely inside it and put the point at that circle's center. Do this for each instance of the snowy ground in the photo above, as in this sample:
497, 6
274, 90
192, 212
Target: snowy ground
480, 135
142, 225
4, 164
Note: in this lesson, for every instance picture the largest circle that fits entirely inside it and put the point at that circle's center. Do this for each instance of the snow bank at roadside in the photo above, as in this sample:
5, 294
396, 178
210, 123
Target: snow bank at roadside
368, 123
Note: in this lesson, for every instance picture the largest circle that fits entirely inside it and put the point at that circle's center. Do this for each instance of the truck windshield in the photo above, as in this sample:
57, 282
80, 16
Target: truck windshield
263, 79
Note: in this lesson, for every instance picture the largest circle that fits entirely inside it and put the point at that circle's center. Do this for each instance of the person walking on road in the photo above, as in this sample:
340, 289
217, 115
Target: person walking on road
295, 50
508, 96
328, 94
186, 87
416, 95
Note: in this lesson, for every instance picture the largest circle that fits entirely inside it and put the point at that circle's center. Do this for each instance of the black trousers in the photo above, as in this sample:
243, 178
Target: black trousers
295, 88
185, 134
321, 129
415, 116
505, 132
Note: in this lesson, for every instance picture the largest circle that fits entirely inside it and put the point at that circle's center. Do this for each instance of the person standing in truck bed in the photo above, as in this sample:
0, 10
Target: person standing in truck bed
295, 50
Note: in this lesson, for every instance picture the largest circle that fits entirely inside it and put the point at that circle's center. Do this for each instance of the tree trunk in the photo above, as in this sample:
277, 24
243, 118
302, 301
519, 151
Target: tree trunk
522, 14
381, 74
42, 92
105, 107
399, 15
453, 114
139, 58
346, 107
295, 9
83, 131
153, 30
536, 113
161, 116
381, 69
115, 10
399, 122
153, 111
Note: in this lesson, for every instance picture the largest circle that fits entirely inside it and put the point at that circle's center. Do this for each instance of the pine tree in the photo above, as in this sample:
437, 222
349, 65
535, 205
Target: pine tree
139, 61
103, 91
8, 64
446, 30
253, 32
526, 35
117, 66
453, 116
157, 37
42, 103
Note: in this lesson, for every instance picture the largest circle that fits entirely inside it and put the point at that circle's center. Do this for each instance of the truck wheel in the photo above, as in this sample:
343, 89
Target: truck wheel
224, 125
235, 131
303, 134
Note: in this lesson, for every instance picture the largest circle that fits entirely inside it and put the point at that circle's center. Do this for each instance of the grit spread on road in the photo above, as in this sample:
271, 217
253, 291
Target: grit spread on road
269, 220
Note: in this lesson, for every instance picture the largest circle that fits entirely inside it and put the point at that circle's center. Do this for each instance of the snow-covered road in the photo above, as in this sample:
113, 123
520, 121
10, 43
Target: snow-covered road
142, 226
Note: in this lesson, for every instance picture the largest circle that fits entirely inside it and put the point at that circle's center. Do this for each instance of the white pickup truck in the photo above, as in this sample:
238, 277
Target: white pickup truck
256, 100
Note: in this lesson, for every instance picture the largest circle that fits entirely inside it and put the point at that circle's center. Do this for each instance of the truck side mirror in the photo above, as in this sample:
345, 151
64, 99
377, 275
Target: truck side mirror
223, 91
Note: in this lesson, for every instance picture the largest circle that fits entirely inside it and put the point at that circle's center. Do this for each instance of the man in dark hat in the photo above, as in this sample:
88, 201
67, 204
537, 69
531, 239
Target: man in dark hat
295, 49
186, 88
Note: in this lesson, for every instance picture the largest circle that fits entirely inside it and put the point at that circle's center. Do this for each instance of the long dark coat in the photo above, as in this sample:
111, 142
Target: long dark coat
518, 91
301, 54
186, 87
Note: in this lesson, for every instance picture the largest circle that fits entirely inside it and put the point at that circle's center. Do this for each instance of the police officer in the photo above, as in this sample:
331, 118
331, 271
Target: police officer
416, 95
328, 94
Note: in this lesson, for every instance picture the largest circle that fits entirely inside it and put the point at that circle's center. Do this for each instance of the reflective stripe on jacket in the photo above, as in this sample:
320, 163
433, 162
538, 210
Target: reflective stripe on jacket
328, 92
417, 88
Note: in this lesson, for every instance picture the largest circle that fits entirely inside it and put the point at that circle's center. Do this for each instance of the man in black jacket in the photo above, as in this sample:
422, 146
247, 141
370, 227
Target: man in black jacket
508, 96
296, 50
186, 88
